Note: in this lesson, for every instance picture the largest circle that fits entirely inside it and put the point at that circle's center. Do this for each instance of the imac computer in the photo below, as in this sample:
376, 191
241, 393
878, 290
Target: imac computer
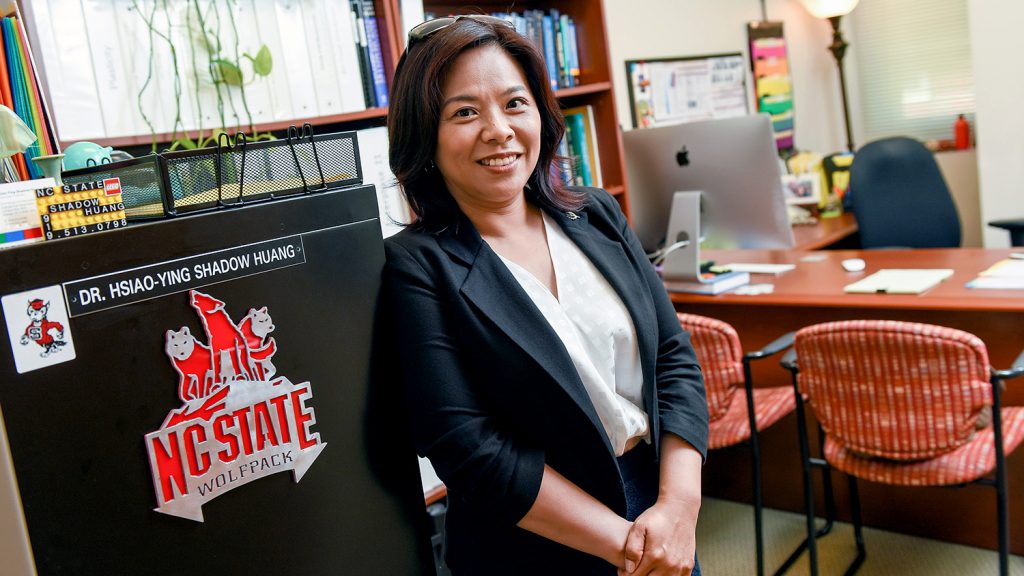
733, 162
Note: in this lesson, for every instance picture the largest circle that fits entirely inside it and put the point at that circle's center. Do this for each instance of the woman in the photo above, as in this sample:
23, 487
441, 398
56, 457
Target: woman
545, 373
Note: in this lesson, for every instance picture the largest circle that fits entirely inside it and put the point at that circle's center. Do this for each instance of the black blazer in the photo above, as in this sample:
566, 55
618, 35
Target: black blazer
492, 395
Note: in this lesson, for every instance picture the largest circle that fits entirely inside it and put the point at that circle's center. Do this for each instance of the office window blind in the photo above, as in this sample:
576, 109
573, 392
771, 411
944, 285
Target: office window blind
914, 67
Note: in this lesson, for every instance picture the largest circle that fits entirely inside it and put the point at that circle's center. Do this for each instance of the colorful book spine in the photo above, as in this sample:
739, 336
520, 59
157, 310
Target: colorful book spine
24, 92
574, 55
365, 68
580, 148
380, 83
564, 161
579, 122
550, 59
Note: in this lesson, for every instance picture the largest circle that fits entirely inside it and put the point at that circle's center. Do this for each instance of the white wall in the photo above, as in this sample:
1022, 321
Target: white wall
996, 44
664, 28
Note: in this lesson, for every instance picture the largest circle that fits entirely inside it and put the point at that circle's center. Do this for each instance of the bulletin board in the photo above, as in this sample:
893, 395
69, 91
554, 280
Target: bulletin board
684, 89
773, 85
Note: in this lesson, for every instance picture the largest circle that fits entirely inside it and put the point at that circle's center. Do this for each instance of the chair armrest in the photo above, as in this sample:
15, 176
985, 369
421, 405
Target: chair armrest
776, 346
789, 361
1013, 371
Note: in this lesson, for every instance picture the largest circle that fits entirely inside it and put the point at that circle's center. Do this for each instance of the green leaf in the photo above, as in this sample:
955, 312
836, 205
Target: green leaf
264, 62
228, 72
186, 143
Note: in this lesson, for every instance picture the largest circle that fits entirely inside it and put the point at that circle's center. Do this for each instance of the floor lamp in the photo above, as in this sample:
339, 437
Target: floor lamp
834, 10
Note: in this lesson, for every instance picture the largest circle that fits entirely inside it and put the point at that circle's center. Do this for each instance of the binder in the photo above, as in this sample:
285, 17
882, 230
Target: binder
321, 56
295, 57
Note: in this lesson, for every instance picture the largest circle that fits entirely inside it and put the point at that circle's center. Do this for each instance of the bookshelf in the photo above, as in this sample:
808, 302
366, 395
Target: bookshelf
594, 88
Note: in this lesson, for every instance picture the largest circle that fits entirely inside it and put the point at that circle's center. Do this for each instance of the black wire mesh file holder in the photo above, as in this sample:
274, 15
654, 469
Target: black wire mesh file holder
234, 173
141, 187
239, 172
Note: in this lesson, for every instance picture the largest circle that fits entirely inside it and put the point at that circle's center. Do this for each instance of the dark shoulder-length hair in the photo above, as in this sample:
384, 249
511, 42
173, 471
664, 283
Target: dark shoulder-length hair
414, 116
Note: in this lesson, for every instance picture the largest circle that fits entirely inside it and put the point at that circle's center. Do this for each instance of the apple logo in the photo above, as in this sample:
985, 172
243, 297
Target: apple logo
683, 157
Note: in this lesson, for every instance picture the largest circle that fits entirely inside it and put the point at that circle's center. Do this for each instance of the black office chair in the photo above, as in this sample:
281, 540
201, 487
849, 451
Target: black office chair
900, 198
1014, 226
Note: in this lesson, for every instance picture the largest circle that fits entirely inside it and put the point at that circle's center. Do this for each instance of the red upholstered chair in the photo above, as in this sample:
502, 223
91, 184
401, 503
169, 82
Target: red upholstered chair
735, 407
904, 404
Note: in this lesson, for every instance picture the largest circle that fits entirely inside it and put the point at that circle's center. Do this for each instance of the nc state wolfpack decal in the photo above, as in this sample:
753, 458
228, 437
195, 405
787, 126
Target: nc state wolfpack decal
238, 422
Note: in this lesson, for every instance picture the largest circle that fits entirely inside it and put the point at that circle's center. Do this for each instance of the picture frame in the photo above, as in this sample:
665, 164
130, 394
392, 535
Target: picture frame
666, 91
802, 188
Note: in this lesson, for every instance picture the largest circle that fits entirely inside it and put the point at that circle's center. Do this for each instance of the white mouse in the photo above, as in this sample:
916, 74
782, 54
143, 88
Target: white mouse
853, 264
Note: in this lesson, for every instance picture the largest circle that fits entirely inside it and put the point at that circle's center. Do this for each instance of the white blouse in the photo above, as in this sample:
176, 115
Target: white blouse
597, 331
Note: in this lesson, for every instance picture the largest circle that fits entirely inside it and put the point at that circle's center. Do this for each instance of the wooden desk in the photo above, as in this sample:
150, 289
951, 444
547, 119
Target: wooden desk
812, 293
826, 232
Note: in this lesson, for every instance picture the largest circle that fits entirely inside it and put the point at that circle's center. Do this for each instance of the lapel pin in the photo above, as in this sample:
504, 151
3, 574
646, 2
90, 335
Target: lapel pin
572, 216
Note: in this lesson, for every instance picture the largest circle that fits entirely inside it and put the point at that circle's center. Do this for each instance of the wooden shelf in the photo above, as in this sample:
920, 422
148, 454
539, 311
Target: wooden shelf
595, 90
166, 137
583, 89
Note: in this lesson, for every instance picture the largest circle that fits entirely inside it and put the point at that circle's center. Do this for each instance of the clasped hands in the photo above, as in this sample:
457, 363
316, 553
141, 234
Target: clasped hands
662, 540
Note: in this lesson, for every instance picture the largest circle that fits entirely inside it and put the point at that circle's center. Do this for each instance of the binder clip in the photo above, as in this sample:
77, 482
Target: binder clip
294, 136
227, 145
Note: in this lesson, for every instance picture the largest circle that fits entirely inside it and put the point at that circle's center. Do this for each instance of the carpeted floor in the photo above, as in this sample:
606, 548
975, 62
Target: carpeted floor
725, 544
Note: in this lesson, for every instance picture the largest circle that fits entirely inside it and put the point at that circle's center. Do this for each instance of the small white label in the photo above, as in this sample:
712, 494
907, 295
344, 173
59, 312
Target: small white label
37, 324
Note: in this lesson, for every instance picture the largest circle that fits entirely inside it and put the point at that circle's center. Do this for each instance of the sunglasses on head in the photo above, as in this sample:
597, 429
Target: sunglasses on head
423, 31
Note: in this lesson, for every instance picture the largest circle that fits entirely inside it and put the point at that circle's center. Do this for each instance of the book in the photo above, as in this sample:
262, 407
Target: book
322, 62
69, 75
574, 55
548, 32
343, 37
710, 283
295, 58
363, 50
379, 75
279, 81
105, 48
581, 120
580, 148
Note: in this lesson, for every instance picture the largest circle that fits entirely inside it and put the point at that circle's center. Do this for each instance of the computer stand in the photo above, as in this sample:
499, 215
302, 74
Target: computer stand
681, 256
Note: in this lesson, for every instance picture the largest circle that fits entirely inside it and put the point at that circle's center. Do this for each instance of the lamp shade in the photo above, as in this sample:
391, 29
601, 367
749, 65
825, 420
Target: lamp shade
829, 8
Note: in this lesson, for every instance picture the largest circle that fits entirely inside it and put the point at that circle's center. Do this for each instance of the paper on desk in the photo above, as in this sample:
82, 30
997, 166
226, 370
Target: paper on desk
997, 283
899, 281
775, 269
1005, 269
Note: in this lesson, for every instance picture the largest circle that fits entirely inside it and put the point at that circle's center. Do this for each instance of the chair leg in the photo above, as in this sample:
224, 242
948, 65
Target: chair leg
858, 532
1003, 514
826, 481
805, 456
755, 453
758, 503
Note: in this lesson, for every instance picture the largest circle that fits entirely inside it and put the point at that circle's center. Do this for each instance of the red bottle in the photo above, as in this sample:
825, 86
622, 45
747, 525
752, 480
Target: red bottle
962, 133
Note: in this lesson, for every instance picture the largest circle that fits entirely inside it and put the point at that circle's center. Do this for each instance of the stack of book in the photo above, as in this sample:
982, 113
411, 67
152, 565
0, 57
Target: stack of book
581, 165
20, 92
554, 35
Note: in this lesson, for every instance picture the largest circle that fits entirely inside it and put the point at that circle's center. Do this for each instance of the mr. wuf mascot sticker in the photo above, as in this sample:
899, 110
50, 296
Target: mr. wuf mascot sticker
38, 328
239, 421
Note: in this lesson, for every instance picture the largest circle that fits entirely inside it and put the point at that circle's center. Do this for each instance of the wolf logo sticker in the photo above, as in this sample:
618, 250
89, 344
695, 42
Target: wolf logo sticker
239, 421
37, 323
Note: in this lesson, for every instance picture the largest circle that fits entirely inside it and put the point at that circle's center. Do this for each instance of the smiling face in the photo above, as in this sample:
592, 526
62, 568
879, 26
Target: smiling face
488, 139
